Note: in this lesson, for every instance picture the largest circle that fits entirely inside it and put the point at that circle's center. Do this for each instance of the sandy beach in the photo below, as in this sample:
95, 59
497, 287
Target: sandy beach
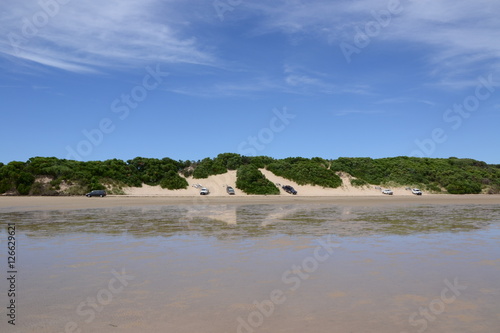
16, 203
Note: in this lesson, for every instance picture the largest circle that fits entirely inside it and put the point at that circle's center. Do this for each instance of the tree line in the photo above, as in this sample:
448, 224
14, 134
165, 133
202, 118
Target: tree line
53, 176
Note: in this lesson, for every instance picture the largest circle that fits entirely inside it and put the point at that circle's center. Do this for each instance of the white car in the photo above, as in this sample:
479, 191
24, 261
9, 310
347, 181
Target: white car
387, 191
416, 191
204, 191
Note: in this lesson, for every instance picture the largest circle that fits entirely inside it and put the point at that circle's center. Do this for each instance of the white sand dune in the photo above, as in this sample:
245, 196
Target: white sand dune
217, 187
346, 189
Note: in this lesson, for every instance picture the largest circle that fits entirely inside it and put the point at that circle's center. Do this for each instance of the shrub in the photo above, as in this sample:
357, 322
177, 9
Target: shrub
463, 187
251, 181
495, 189
203, 170
358, 182
173, 181
433, 187
305, 172
5, 185
42, 189
24, 183
76, 190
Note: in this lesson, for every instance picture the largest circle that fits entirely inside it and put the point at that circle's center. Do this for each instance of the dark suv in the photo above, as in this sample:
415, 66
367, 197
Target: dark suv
96, 193
230, 190
289, 189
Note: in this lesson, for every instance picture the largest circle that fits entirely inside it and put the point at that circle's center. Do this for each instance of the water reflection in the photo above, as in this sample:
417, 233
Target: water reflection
239, 221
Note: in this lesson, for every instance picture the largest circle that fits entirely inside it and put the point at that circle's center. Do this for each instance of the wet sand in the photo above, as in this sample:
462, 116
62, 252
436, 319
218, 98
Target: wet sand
382, 265
16, 203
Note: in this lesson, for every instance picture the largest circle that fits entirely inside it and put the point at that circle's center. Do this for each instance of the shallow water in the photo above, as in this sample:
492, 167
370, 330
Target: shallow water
257, 268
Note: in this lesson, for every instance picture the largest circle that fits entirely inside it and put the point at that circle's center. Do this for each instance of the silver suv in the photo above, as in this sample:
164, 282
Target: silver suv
416, 191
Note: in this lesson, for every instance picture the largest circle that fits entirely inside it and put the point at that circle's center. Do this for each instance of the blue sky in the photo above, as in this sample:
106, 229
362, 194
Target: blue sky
94, 80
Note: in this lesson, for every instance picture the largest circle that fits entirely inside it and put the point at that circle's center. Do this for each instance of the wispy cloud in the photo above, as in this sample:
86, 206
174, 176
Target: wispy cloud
230, 88
89, 36
457, 38
301, 79
404, 100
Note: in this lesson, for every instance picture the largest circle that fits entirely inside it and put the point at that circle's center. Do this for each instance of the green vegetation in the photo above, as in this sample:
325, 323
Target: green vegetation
304, 171
457, 176
224, 162
46, 175
52, 176
358, 182
252, 181
173, 181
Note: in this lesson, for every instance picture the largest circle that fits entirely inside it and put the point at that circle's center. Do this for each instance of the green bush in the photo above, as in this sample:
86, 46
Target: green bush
251, 181
24, 182
458, 176
304, 172
433, 187
76, 190
229, 161
173, 181
42, 189
358, 182
494, 189
5, 185
463, 187
203, 169
259, 161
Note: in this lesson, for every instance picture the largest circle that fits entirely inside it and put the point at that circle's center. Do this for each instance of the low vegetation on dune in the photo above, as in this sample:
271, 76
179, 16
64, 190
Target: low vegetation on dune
53, 176
454, 175
251, 181
305, 171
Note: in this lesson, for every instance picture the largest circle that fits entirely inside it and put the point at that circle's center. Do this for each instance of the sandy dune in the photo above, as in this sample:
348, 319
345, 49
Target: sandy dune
217, 186
317, 191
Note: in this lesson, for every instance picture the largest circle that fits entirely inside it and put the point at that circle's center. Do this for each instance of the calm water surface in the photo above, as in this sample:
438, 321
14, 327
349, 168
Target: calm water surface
256, 268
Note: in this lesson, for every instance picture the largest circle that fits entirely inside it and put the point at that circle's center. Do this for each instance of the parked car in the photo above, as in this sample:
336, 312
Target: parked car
204, 191
289, 189
387, 191
416, 191
96, 193
230, 190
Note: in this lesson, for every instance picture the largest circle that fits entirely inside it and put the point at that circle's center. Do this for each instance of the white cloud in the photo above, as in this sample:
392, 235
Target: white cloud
455, 38
87, 36
404, 100
230, 88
